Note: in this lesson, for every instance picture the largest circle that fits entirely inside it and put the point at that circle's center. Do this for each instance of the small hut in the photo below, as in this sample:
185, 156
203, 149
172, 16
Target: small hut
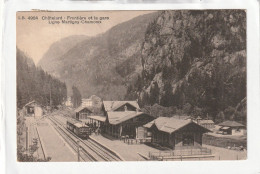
232, 128
33, 109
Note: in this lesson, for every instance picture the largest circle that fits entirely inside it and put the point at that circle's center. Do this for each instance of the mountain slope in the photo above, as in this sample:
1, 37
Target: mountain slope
104, 64
56, 50
195, 62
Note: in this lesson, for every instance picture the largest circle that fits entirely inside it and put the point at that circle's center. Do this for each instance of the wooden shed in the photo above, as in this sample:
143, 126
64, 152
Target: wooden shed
176, 133
232, 128
33, 109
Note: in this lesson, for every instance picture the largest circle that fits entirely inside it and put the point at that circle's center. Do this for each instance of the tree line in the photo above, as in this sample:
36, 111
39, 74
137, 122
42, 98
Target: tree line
33, 83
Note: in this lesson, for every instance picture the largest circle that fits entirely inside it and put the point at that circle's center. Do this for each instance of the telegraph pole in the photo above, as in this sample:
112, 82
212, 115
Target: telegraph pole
78, 150
26, 138
50, 96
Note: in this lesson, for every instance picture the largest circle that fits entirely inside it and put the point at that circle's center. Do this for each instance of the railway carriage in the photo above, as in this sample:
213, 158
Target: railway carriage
79, 128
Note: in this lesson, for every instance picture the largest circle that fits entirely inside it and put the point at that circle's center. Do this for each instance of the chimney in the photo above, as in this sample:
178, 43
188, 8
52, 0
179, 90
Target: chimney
198, 120
125, 108
112, 104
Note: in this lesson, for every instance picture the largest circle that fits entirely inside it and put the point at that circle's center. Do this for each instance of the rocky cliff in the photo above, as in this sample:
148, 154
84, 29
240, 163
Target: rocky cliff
194, 61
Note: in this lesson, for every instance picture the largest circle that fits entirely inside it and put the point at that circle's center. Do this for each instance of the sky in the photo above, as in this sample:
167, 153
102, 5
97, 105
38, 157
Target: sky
34, 33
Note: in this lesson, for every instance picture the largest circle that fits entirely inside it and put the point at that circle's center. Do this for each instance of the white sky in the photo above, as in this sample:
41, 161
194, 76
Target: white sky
34, 37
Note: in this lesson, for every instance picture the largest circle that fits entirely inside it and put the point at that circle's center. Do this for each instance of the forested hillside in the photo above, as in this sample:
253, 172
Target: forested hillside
174, 62
105, 64
194, 62
57, 49
35, 84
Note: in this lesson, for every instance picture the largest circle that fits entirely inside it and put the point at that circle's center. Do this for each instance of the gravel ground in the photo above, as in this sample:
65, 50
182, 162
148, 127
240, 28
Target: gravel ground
227, 154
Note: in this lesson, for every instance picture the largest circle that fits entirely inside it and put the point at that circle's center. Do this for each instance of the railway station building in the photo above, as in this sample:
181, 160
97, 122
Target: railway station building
176, 133
124, 119
116, 106
83, 112
126, 124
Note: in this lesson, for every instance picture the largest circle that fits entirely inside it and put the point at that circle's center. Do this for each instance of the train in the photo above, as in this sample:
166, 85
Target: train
79, 128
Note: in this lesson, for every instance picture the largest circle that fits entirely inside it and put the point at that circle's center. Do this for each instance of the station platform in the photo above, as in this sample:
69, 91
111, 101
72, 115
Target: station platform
31, 124
127, 152
53, 144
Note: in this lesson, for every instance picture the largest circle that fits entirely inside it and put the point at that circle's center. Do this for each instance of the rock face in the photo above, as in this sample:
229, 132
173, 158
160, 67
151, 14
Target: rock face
105, 64
196, 58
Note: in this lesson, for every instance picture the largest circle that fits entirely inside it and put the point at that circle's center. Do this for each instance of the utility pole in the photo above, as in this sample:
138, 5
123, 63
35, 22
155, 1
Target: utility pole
26, 138
78, 150
50, 96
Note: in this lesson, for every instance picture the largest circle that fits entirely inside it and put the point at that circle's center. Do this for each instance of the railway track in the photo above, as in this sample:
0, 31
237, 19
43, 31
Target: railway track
100, 153
103, 153
72, 141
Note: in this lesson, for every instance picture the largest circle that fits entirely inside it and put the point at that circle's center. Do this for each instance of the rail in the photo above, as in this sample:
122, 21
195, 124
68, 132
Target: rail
100, 153
72, 141
108, 149
103, 152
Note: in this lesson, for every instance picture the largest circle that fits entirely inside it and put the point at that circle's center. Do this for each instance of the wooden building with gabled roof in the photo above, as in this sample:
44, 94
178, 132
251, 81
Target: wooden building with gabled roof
114, 106
232, 128
128, 123
83, 112
123, 118
176, 133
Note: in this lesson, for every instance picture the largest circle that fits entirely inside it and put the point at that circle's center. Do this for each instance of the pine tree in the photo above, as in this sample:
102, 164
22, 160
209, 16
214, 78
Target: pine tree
154, 93
76, 97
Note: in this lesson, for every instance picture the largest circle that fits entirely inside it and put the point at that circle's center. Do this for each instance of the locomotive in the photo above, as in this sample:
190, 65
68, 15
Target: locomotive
78, 128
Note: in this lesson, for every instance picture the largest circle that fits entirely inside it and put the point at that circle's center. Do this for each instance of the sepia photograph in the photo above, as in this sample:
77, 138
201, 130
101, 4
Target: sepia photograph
165, 85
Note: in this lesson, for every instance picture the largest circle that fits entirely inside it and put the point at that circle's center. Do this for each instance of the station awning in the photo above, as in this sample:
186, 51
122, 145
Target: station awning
98, 118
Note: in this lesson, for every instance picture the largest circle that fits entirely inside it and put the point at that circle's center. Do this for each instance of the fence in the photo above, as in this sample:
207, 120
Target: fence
136, 141
180, 153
